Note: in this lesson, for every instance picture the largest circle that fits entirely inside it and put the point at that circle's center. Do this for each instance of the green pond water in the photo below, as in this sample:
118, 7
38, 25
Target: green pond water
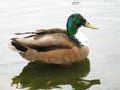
38, 75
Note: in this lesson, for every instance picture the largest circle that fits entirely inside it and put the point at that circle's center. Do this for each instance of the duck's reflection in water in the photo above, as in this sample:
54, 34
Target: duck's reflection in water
37, 75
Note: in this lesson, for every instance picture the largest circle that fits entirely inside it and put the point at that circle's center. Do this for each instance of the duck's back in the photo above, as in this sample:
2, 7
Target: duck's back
45, 39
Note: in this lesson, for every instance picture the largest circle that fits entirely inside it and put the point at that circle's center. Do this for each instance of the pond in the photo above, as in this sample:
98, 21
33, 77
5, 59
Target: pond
100, 71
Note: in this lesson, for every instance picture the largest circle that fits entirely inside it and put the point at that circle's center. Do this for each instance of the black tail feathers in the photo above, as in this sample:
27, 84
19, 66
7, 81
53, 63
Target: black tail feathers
19, 47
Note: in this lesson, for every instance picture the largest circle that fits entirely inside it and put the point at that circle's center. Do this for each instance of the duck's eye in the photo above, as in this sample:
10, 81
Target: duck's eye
79, 17
83, 20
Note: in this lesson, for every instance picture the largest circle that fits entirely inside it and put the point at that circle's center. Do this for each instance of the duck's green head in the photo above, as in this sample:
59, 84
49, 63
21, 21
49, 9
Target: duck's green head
75, 21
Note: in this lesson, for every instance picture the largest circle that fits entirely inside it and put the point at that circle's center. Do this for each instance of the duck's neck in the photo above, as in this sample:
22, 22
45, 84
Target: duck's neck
72, 30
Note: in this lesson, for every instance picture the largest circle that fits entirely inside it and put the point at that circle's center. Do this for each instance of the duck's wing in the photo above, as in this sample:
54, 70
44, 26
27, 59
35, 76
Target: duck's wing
45, 39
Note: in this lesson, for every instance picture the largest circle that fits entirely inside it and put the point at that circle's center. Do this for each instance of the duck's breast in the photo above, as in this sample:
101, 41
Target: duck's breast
82, 38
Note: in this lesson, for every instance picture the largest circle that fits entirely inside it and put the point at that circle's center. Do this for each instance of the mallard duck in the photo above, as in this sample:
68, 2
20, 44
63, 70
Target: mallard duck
55, 45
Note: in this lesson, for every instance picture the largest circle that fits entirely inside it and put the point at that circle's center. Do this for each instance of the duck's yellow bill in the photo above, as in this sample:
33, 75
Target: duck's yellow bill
90, 25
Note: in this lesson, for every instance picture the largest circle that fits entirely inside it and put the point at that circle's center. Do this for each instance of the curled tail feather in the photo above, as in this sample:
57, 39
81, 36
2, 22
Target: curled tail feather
16, 47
